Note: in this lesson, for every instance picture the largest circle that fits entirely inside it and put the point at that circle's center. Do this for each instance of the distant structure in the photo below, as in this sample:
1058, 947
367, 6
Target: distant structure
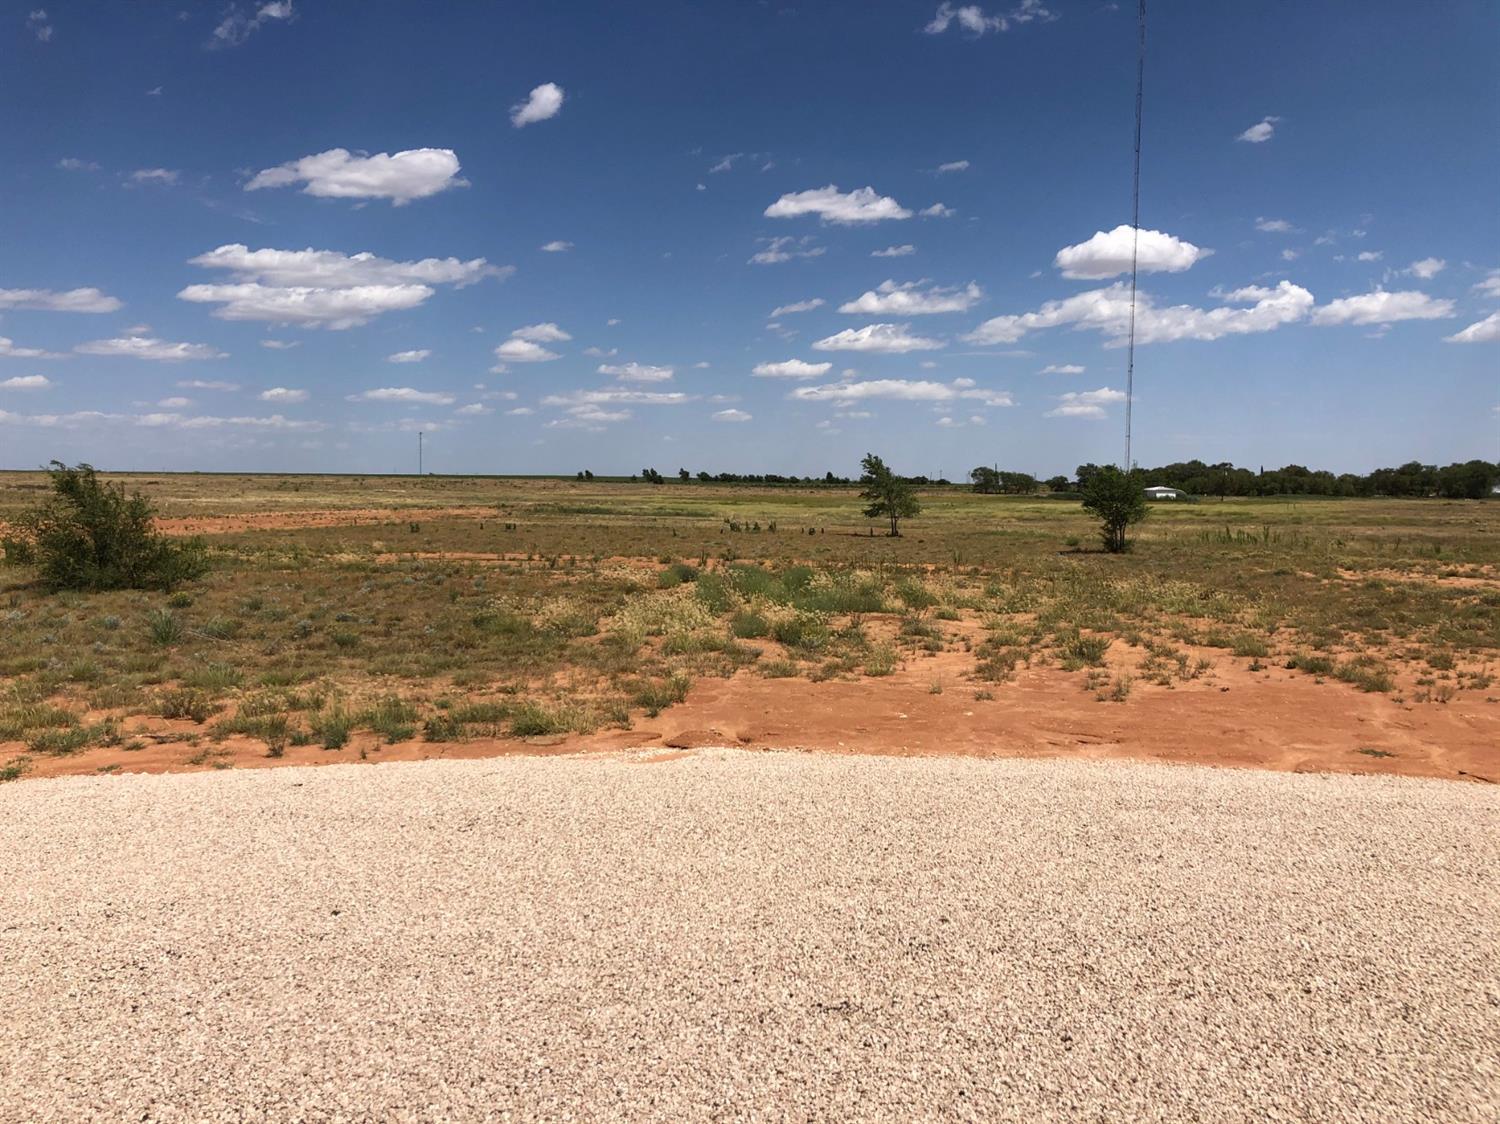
1158, 492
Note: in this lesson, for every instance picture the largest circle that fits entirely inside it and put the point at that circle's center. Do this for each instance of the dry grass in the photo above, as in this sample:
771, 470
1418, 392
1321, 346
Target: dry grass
575, 606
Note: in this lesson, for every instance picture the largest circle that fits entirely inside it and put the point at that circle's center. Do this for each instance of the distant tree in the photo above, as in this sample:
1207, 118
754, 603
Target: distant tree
684, 475
587, 475
985, 479
1059, 484
90, 535
651, 476
889, 496
1117, 500
1471, 480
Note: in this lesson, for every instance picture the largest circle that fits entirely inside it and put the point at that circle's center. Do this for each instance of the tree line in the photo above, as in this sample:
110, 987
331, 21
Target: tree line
1465, 480
1460, 480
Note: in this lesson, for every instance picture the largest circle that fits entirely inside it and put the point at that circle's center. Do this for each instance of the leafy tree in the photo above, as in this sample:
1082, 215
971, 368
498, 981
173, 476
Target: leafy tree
651, 476
890, 496
986, 480
684, 475
90, 535
1117, 500
1058, 483
1468, 481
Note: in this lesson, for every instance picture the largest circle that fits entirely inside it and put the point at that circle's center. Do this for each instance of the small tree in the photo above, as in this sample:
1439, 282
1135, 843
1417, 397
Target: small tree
1117, 500
890, 496
90, 535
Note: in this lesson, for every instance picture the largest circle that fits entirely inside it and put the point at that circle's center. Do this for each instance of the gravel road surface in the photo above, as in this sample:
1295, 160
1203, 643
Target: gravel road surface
736, 936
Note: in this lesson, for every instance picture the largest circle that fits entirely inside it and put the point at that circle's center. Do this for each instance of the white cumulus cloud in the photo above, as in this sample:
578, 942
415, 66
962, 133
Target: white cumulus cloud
861, 205
400, 177
1427, 268
1109, 253
914, 298
791, 369
403, 394
1085, 403
1107, 311
1482, 331
325, 288
416, 355
282, 394
556, 247
544, 102
1274, 226
1262, 131
1381, 307
891, 339
902, 390
71, 300
636, 372
27, 382
9, 350
516, 350
145, 347
547, 332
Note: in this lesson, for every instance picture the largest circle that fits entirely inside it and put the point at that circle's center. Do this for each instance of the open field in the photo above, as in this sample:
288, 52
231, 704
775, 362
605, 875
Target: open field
386, 618
730, 936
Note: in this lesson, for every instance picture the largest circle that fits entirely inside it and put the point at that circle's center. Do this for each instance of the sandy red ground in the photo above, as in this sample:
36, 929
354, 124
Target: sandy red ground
1270, 719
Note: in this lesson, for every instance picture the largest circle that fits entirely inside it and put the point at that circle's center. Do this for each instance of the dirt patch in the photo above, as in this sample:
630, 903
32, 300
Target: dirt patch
1478, 578
1268, 719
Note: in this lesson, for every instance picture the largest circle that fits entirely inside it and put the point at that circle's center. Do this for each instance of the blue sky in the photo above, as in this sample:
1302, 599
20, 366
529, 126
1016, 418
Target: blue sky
572, 227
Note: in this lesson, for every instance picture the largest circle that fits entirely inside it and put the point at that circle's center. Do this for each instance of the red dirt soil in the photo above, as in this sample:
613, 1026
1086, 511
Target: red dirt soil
1270, 719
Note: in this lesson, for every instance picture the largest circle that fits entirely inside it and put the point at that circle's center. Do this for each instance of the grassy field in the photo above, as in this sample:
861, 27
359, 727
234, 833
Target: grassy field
455, 608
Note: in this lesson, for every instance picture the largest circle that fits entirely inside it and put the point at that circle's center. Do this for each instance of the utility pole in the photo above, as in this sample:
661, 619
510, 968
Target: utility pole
419, 452
1135, 229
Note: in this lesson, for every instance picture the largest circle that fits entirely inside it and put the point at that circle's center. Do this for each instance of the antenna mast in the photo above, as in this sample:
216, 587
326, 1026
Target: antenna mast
419, 452
1135, 229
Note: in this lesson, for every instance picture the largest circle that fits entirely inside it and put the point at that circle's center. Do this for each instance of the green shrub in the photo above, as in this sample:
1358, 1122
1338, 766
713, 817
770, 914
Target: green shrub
332, 728
217, 677
394, 719
164, 626
443, 728
654, 696
91, 536
675, 574
533, 719
1084, 651
186, 703
747, 625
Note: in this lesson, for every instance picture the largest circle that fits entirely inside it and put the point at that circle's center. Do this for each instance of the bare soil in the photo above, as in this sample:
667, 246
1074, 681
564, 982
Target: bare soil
1267, 719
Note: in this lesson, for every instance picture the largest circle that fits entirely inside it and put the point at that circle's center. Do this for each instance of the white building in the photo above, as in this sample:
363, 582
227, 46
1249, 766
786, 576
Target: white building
1160, 493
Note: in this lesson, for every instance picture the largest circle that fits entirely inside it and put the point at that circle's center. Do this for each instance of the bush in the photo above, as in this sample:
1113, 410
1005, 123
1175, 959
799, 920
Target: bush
1117, 499
91, 536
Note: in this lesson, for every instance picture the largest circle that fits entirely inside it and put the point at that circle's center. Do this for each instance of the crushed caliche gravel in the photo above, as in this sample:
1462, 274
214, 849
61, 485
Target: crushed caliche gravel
749, 936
